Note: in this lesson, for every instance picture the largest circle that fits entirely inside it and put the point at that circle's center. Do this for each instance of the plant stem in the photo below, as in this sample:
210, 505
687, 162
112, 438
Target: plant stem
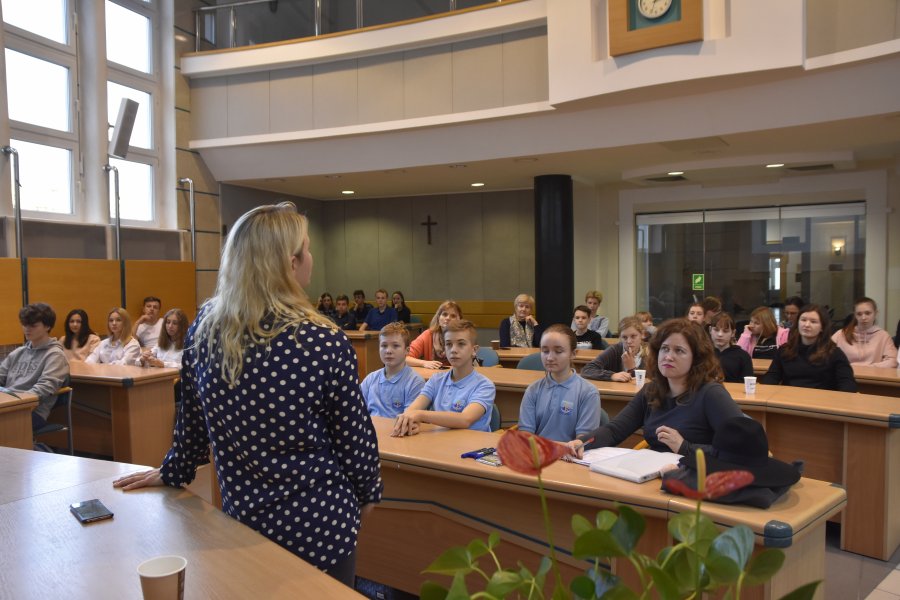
549, 528
496, 560
697, 554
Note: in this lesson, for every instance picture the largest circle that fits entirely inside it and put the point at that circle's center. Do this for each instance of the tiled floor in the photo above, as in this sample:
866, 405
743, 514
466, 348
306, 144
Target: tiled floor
851, 576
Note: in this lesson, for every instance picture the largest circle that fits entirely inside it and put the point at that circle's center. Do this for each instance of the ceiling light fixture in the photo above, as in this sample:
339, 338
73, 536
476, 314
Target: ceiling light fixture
675, 173
348, 192
774, 165
477, 185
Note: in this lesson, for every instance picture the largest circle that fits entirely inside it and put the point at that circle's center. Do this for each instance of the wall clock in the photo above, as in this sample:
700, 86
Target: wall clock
636, 25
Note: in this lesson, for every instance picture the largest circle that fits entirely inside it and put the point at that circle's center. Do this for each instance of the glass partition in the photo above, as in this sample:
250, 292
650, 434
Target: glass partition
751, 257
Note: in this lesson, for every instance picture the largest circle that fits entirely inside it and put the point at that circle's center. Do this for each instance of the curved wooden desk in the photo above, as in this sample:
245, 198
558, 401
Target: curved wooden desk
15, 420
124, 412
434, 499
870, 380
510, 357
55, 556
849, 439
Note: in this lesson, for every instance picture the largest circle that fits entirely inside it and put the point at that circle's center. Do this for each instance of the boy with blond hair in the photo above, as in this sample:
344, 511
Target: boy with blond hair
390, 391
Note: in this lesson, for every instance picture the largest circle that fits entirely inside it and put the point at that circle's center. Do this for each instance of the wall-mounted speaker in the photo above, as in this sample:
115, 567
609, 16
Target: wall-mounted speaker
118, 145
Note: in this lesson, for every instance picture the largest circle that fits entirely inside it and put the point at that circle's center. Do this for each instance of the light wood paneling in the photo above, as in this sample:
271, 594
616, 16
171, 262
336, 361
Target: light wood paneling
206, 285
427, 86
171, 281
248, 103
525, 71
380, 88
335, 94
291, 99
212, 121
477, 74
65, 284
361, 244
430, 260
10, 301
395, 245
465, 249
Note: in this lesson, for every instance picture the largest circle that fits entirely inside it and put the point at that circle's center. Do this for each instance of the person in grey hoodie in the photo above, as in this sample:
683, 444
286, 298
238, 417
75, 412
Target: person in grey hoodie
40, 366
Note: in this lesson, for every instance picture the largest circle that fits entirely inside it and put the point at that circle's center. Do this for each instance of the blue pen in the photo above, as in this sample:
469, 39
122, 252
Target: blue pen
478, 453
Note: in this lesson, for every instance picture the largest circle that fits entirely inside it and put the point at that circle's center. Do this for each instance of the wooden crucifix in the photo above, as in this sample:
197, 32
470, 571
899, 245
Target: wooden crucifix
429, 223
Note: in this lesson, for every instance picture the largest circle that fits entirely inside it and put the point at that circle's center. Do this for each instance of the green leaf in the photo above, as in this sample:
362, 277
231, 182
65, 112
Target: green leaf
604, 581
736, 544
763, 566
597, 543
458, 589
666, 586
560, 592
722, 569
620, 592
580, 525
493, 540
606, 519
453, 561
681, 567
804, 592
628, 528
582, 586
477, 548
681, 526
431, 590
502, 583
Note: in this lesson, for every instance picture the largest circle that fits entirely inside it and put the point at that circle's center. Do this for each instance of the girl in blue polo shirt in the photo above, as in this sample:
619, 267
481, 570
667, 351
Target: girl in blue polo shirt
561, 405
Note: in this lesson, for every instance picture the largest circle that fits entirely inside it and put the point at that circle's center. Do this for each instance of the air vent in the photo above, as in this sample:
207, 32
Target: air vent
804, 168
666, 178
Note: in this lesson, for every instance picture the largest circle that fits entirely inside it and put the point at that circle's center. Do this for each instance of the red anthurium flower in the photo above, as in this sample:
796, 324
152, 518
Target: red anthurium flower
516, 452
717, 485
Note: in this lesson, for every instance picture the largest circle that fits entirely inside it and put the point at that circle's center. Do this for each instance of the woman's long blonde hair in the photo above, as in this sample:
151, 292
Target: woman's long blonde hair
256, 286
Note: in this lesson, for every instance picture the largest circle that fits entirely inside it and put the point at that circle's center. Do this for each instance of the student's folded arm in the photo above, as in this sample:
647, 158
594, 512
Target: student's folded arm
629, 420
455, 420
603, 367
588, 412
53, 376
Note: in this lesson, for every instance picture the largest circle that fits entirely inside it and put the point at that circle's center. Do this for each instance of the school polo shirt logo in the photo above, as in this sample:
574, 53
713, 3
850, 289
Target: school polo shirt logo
565, 408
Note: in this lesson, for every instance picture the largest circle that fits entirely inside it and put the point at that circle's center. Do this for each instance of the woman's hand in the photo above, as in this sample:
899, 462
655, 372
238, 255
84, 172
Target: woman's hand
365, 510
628, 361
406, 424
530, 319
576, 448
622, 376
670, 437
432, 364
138, 480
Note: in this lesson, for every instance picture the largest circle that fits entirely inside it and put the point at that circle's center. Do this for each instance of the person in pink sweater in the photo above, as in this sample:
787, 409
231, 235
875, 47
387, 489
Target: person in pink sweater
762, 336
863, 341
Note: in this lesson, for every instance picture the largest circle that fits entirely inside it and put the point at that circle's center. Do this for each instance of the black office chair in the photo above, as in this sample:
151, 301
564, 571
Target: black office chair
63, 399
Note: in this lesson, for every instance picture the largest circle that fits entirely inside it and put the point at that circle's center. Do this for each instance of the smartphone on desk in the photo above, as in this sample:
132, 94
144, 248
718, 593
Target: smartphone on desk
89, 511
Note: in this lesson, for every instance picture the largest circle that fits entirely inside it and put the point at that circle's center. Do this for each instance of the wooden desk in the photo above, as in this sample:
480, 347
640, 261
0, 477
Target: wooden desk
15, 420
56, 557
433, 499
849, 439
879, 381
510, 357
124, 412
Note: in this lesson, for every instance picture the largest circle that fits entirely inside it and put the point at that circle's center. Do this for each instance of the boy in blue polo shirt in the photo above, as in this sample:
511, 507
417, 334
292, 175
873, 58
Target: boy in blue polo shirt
461, 398
562, 404
389, 391
381, 315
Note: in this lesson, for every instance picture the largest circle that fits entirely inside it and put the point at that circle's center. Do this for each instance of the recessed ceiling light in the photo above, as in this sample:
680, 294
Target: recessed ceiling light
458, 166
774, 165
477, 185
674, 173
348, 192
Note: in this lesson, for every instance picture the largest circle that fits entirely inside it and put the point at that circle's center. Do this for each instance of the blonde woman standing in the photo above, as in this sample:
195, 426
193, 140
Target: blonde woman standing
272, 384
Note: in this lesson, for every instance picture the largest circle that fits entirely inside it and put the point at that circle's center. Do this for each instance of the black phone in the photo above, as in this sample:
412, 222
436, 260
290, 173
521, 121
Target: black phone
90, 511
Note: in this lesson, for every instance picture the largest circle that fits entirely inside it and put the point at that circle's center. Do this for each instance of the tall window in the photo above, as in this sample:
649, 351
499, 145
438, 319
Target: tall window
751, 258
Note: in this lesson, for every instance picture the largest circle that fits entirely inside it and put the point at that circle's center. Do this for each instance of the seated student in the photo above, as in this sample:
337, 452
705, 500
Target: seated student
427, 350
170, 345
792, 308
587, 339
561, 405
711, 307
682, 404
361, 308
120, 348
646, 320
80, 340
762, 336
618, 362
399, 302
863, 341
40, 366
147, 327
381, 315
696, 313
390, 391
597, 323
521, 330
809, 358
343, 316
326, 305
735, 362
461, 398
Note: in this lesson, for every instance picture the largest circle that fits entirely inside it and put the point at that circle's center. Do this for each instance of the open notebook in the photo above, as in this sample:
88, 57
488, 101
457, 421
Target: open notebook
634, 465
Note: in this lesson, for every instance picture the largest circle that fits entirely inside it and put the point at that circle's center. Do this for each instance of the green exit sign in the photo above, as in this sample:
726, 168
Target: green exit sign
698, 282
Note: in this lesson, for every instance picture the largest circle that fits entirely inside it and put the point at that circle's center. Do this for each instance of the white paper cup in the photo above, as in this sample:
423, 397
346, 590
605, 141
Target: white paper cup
749, 385
162, 578
639, 376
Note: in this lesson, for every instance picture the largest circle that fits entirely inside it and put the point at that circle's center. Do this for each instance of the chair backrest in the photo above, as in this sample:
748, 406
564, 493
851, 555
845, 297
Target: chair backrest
495, 418
488, 357
604, 417
532, 362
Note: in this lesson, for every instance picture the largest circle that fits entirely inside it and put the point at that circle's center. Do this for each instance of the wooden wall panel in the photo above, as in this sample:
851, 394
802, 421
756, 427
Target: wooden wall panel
171, 281
64, 284
10, 301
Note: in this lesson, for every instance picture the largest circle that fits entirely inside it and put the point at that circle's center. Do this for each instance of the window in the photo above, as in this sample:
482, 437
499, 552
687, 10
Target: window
128, 38
38, 91
48, 22
45, 174
141, 135
135, 190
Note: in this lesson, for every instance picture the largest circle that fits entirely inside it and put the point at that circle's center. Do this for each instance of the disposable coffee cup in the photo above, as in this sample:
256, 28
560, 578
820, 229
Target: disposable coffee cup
584, 345
749, 385
495, 344
162, 578
639, 376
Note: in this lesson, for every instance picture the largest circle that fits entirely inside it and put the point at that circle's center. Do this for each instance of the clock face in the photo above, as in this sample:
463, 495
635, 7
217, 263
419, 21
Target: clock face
653, 9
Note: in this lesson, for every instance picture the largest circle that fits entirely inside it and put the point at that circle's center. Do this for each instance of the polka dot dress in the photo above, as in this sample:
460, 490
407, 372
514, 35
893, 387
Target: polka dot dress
293, 445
